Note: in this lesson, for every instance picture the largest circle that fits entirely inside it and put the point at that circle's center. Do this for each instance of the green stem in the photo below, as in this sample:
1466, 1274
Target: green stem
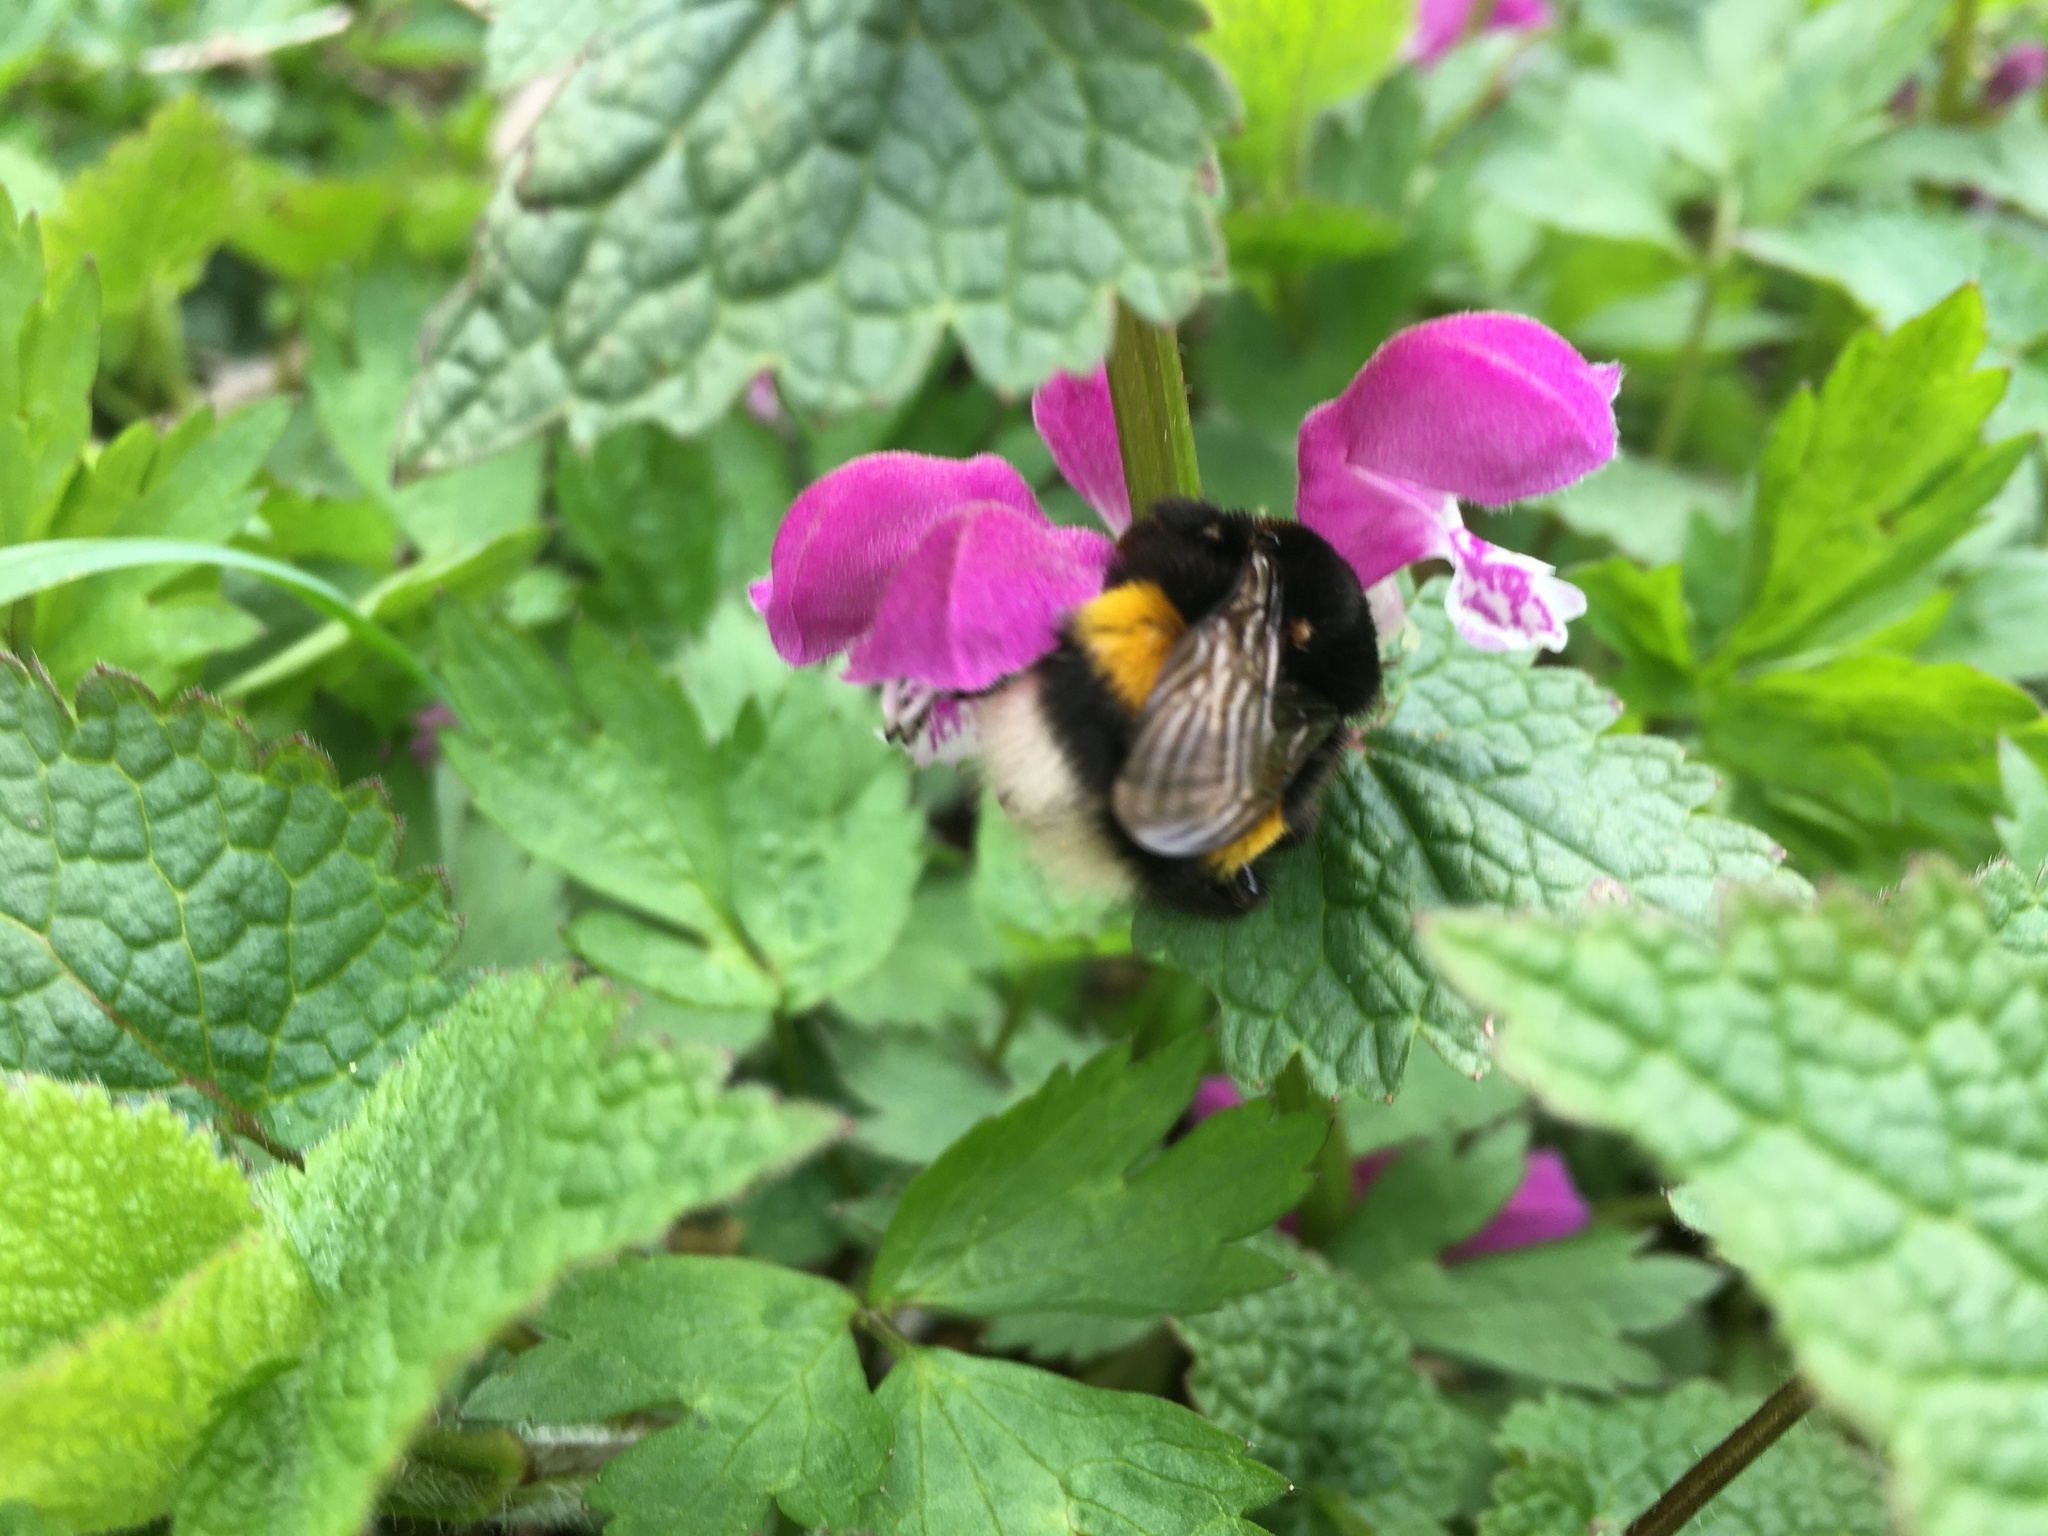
1152, 423
1725, 1462
879, 1327
789, 1055
1952, 95
1692, 360
1327, 1206
1015, 1011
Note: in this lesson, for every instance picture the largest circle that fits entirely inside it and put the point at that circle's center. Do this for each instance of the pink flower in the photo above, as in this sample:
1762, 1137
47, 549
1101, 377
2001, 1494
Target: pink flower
1545, 1206
2016, 73
937, 578
1439, 24
427, 727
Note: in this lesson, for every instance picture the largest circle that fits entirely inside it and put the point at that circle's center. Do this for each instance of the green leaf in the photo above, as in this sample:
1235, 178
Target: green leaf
1575, 1466
1854, 1090
358, 382
1640, 616
2018, 907
532, 37
761, 1359
1491, 784
1315, 1376
1433, 1196
99, 1431
182, 907
49, 351
938, 972
1577, 160
1306, 232
518, 1138
986, 1445
1862, 486
1994, 623
153, 210
102, 1209
1435, 1099
1037, 1210
1897, 264
927, 1090
823, 196
1557, 1311
1290, 62
1643, 506
2025, 832
1027, 906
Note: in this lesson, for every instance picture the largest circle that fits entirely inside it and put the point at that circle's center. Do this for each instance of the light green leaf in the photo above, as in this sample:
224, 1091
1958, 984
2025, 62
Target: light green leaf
153, 210
1037, 1210
722, 189
1994, 624
927, 1090
102, 1209
1433, 1196
1575, 1466
1435, 1099
1863, 485
99, 1432
1856, 1091
1491, 784
2025, 832
517, 1138
1290, 61
1577, 160
182, 907
1640, 616
715, 972
1557, 1311
1315, 1376
938, 972
358, 383
1643, 506
532, 37
646, 508
986, 1445
1027, 906
1896, 264
1302, 233
23, 34
2018, 907
2008, 160
49, 351
301, 228
761, 1359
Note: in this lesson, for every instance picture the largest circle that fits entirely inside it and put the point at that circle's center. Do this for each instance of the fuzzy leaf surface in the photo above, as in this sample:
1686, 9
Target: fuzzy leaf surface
1861, 1096
1315, 1375
988, 1445
179, 906
1036, 1210
1491, 785
516, 1139
760, 1356
731, 185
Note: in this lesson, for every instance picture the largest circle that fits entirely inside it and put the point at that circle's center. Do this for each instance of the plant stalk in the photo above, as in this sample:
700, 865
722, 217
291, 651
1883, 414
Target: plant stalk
1952, 94
1152, 423
1725, 1462
1692, 361
1327, 1206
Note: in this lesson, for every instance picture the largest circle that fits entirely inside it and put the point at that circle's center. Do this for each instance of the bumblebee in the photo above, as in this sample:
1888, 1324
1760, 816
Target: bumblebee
1188, 720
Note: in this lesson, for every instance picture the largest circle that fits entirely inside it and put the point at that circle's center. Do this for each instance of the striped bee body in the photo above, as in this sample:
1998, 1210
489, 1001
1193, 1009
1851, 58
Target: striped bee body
1189, 718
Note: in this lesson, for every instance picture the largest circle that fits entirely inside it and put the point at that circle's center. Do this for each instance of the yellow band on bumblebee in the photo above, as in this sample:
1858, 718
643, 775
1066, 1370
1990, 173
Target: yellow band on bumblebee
1127, 632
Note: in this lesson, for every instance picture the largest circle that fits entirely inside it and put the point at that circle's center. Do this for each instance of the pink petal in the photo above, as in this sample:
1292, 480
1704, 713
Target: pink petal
1486, 407
1546, 1207
1216, 1094
1388, 608
1376, 522
850, 532
1075, 417
1439, 24
980, 598
1502, 601
2017, 72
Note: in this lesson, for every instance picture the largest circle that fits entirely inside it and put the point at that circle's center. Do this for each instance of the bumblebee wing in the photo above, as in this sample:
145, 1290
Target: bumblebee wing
1219, 736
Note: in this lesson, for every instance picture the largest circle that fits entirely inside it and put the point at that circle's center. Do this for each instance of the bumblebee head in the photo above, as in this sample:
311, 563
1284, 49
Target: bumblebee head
1328, 644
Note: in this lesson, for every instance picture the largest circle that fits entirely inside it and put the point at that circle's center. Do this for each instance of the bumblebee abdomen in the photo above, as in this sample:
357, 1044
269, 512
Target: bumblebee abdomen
1126, 635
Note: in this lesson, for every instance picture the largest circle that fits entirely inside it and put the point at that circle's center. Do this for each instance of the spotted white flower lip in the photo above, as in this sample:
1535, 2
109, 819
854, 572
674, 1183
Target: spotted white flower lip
937, 578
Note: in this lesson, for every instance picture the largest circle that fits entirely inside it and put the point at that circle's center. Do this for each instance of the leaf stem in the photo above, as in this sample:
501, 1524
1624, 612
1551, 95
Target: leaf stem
789, 1055
1725, 1462
249, 1128
1685, 383
1015, 1010
1951, 95
881, 1328
1327, 1206
1152, 423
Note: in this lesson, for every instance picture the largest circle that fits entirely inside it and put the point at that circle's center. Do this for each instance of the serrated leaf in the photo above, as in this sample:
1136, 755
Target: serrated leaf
987, 1445
152, 211
1576, 1466
1560, 1311
2025, 832
1856, 1091
1864, 484
760, 1357
1994, 623
182, 907
1433, 1196
49, 351
1037, 1210
1491, 784
1315, 1376
1640, 616
928, 1090
514, 1140
728, 187
939, 971
102, 1209
2018, 908
99, 1431
1435, 1099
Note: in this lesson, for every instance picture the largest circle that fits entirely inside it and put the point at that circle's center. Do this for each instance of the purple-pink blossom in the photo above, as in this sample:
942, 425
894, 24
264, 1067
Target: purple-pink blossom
938, 578
1439, 24
2019, 69
1545, 1206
